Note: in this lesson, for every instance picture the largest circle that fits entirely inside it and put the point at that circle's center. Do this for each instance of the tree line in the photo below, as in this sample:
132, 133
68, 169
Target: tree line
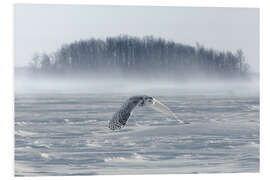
150, 56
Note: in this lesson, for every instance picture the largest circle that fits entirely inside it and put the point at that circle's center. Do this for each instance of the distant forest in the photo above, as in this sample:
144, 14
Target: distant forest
148, 56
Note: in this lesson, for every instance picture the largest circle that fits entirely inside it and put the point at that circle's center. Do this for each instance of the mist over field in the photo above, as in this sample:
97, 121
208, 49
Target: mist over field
88, 84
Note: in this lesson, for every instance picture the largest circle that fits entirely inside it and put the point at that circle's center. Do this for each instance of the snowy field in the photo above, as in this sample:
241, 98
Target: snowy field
67, 134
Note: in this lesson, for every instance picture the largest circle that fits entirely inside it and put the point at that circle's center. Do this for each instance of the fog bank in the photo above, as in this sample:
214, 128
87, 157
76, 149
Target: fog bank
132, 85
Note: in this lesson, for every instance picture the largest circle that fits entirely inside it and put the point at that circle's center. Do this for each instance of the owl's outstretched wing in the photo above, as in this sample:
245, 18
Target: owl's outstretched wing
121, 117
158, 106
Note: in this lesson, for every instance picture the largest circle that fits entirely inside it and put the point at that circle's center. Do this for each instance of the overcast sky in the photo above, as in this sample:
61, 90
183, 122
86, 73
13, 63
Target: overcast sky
44, 28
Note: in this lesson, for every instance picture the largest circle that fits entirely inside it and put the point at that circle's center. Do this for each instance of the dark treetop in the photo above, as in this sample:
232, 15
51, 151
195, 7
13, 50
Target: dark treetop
150, 56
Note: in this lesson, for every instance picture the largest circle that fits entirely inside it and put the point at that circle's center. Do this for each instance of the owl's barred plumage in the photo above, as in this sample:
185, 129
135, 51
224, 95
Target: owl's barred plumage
120, 118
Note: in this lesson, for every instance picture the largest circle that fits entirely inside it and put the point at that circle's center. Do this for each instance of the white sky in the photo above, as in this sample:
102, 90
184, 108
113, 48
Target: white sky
44, 28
